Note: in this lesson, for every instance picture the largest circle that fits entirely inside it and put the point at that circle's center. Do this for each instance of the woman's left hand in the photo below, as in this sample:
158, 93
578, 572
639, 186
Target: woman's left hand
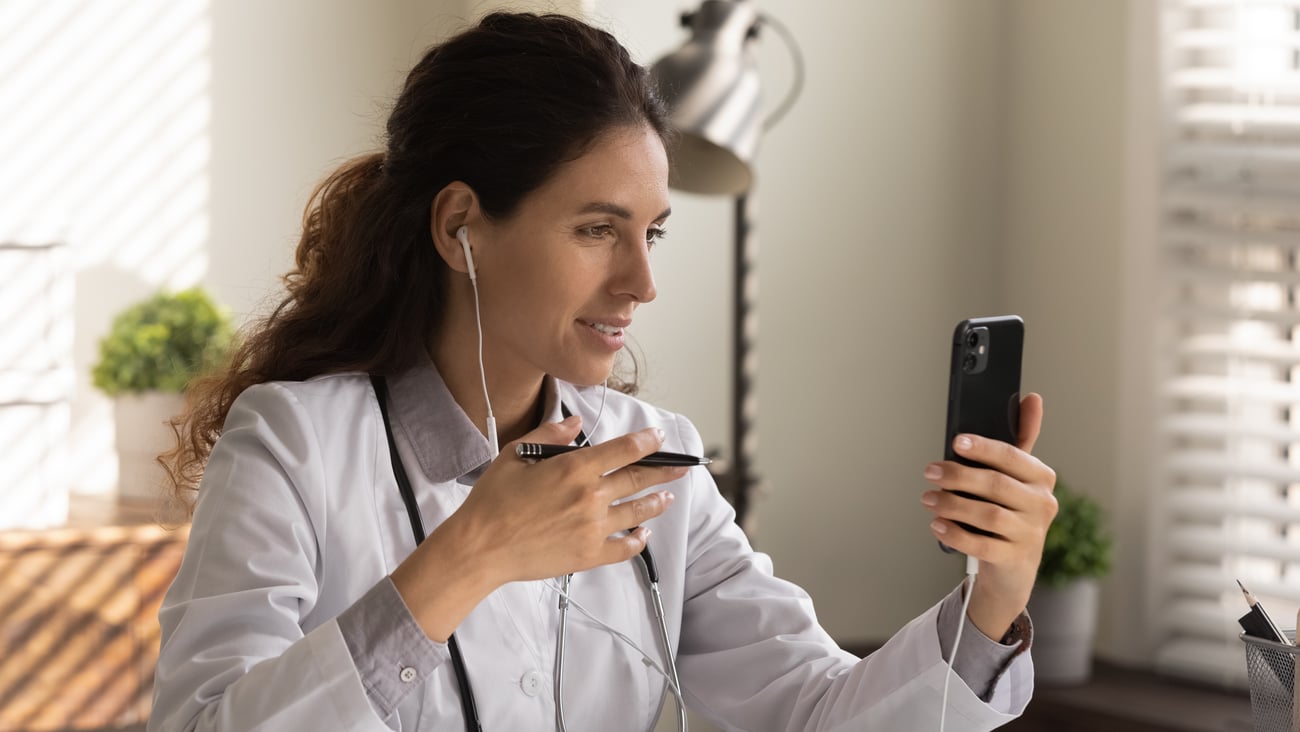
1019, 507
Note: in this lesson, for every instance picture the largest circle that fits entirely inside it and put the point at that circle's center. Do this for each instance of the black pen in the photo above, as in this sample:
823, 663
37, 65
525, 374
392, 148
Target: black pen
1257, 622
535, 451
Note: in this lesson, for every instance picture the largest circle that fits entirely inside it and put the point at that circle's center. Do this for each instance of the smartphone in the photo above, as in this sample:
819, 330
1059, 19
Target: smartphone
984, 385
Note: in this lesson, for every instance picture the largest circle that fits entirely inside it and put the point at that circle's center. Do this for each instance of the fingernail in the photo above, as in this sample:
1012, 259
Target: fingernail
930, 498
645, 532
933, 471
938, 527
659, 434
963, 443
569, 420
668, 497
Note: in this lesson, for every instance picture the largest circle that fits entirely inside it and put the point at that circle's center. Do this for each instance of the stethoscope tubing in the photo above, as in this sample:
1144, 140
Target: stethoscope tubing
468, 705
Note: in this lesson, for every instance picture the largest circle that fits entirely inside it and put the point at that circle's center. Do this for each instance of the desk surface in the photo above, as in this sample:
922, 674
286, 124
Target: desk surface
79, 617
1119, 699
101, 521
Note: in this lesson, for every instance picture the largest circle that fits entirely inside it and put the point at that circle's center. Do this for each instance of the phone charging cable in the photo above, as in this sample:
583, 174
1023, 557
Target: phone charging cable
972, 569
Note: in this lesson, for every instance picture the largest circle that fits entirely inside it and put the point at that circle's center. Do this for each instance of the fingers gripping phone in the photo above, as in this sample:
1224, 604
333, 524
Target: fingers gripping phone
984, 385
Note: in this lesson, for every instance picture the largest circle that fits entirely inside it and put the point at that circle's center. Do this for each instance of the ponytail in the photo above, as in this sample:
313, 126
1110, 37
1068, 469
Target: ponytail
362, 264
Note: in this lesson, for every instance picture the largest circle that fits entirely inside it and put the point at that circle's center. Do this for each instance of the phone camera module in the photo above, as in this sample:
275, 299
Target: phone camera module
972, 339
969, 363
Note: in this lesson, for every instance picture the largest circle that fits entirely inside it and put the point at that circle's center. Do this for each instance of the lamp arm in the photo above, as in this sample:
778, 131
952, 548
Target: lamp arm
796, 58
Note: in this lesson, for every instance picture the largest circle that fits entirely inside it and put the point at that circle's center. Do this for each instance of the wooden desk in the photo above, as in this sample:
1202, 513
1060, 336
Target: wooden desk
79, 618
1118, 699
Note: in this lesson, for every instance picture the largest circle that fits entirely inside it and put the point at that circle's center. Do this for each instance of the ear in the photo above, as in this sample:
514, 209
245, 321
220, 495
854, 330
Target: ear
456, 205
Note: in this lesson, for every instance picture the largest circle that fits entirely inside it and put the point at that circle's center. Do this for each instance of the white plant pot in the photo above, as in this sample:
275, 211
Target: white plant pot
1065, 623
142, 433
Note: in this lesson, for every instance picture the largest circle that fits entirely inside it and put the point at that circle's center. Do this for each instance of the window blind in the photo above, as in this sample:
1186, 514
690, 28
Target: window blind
1229, 503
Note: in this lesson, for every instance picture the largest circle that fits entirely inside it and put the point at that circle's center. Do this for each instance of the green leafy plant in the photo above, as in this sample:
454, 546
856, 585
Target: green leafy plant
162, 342
1077, 543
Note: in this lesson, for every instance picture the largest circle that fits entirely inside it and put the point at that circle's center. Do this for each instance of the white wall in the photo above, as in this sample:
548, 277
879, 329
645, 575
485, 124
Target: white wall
1070, 88
948, 158
878, 223
105, 139
879, 213
298, 87
171, 143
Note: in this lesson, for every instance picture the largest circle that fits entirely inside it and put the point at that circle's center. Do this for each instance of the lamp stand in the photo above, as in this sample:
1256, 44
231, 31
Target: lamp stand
739, 479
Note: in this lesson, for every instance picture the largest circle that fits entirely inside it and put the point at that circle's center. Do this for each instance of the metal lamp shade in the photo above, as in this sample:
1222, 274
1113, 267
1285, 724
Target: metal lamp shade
711, 87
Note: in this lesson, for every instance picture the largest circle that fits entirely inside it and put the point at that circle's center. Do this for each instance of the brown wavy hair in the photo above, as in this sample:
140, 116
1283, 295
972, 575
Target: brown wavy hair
500, 107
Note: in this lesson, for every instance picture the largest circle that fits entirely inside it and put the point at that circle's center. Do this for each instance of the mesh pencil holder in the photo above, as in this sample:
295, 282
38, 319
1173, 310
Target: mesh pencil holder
1270, 668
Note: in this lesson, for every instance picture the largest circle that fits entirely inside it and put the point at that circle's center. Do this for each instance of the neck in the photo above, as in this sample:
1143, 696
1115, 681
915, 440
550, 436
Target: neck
516, 393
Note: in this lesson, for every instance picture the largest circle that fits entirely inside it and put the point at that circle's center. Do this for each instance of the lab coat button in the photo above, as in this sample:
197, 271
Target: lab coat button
407, 674
531, 683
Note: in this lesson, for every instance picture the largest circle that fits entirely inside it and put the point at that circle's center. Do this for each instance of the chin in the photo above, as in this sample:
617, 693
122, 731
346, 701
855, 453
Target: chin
586, 374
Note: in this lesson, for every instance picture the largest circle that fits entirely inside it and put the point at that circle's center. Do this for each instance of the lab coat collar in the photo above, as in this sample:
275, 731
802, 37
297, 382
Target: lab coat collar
447, 444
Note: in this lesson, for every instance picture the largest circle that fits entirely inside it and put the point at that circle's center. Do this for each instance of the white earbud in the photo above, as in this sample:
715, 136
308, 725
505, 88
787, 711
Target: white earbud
463, 235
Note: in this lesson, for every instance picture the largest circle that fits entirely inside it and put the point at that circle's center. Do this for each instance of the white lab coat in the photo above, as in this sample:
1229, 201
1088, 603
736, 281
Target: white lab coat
299, 516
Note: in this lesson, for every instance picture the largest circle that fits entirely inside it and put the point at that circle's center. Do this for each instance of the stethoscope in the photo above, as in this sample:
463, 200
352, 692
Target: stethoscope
468, 706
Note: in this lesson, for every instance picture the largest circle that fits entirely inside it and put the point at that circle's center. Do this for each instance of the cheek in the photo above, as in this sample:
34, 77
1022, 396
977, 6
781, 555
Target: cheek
536, 296
553, 281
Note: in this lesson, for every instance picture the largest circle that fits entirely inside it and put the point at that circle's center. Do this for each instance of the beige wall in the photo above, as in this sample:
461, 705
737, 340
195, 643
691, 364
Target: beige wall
878, 223
1069, 247
948, 158
298, 87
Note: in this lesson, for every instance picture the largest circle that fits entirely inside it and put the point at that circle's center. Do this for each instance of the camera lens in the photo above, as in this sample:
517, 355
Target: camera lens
972, 339
968, 363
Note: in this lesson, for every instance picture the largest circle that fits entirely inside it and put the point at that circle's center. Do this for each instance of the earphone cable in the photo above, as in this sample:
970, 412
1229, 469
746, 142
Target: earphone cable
586, 439
482, 373
972, 570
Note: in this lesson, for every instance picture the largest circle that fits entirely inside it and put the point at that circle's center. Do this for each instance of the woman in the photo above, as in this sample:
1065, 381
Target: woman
484, 268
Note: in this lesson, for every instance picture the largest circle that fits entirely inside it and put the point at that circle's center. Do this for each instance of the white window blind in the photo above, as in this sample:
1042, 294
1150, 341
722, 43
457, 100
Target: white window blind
1229, 506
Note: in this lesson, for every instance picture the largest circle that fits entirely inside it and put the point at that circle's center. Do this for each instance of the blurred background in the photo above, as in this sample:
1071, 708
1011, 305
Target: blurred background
946, 159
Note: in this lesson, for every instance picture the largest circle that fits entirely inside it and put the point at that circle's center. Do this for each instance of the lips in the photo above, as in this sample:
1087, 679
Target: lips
609, 327
608, 333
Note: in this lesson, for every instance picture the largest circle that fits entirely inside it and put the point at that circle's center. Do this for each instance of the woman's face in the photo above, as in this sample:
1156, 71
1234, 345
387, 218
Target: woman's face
561, 279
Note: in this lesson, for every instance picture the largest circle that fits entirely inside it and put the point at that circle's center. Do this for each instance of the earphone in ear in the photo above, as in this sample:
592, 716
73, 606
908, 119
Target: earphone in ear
463, 235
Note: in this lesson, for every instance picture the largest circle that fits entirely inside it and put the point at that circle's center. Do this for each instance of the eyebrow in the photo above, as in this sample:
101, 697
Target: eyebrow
614, 209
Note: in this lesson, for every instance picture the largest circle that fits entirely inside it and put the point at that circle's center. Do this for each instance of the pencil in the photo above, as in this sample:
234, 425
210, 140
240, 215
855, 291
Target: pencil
1268, 629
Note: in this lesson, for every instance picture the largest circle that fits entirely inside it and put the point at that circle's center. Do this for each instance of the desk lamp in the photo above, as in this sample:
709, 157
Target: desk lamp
711, 86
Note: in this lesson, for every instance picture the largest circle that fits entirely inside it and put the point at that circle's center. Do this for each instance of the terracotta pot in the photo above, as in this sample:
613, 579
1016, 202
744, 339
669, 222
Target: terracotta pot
142, 433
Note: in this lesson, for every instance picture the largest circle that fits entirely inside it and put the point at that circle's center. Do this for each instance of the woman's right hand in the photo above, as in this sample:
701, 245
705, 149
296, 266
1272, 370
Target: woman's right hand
534, 520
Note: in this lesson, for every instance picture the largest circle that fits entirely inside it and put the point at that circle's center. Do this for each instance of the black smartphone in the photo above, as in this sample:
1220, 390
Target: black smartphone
984, 384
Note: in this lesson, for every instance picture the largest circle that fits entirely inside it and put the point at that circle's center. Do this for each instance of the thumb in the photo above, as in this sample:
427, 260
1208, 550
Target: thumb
554, 433
1031, 421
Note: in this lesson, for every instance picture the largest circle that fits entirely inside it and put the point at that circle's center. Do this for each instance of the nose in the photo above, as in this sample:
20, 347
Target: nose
636, 277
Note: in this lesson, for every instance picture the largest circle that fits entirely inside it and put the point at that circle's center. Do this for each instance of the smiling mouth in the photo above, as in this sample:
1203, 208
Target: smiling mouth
602, 328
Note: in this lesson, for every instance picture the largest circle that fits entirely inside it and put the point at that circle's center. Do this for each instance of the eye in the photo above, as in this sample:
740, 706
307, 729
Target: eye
599, 231
655, 234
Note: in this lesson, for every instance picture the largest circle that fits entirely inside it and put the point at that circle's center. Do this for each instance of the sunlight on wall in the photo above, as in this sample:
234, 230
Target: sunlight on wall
35, 381
106, 142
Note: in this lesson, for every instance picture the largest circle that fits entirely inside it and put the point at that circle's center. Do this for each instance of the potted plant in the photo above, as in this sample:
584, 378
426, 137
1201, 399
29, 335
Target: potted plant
1076, 553
151, 352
